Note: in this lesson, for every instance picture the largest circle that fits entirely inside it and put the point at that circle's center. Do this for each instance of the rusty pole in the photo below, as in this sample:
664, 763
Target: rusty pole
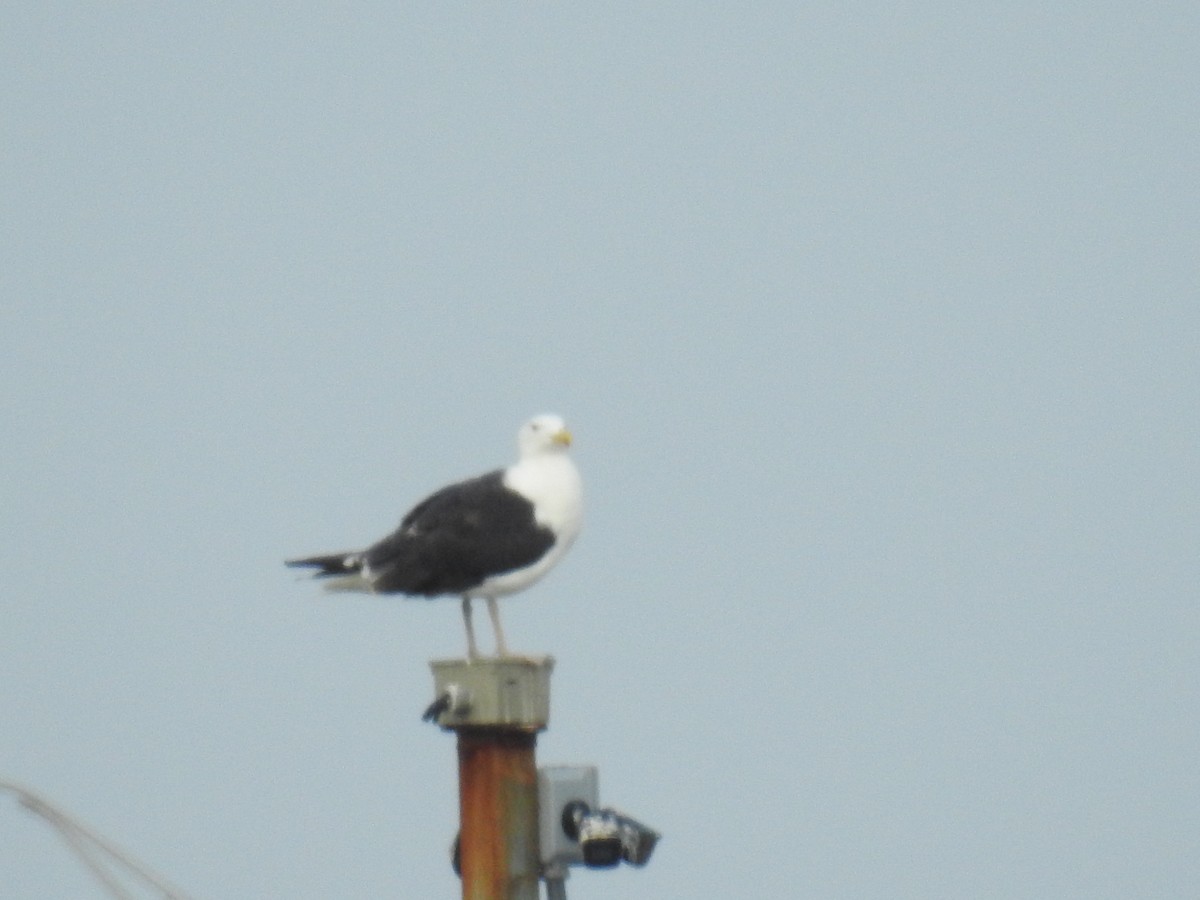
496, 707
497, 787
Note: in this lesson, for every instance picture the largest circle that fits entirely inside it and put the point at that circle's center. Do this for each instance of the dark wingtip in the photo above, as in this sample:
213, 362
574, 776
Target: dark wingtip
329, 564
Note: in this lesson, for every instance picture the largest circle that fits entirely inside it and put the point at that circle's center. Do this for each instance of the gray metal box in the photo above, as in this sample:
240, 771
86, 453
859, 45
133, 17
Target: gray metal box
508, 691
558, 786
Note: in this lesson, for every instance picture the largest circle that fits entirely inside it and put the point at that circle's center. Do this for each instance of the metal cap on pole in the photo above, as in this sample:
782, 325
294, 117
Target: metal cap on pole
496, 706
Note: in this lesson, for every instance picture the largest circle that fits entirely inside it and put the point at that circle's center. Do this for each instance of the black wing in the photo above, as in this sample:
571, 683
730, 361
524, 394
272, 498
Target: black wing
454, 539
330, 564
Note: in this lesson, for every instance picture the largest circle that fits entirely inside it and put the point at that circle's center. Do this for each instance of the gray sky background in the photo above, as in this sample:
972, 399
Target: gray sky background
877, 327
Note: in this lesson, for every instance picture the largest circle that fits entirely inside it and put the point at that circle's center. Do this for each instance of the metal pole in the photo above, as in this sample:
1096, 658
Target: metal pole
496, 707
556, 887
497, 778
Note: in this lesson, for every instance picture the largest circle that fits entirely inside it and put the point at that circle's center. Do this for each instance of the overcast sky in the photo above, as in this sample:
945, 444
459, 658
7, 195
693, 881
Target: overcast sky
877, 327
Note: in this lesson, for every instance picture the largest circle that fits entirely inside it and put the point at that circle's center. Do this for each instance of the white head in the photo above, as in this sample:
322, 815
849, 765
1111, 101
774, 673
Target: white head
543, 434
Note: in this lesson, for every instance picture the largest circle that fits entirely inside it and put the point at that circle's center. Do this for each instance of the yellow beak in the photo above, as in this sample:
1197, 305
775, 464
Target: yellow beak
563, 437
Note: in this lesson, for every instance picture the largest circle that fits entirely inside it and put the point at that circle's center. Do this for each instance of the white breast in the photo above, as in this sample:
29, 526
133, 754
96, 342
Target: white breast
553, 485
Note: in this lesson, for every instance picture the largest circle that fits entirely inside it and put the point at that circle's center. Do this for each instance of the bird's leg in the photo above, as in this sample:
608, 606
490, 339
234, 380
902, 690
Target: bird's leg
494, 612
472, 652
